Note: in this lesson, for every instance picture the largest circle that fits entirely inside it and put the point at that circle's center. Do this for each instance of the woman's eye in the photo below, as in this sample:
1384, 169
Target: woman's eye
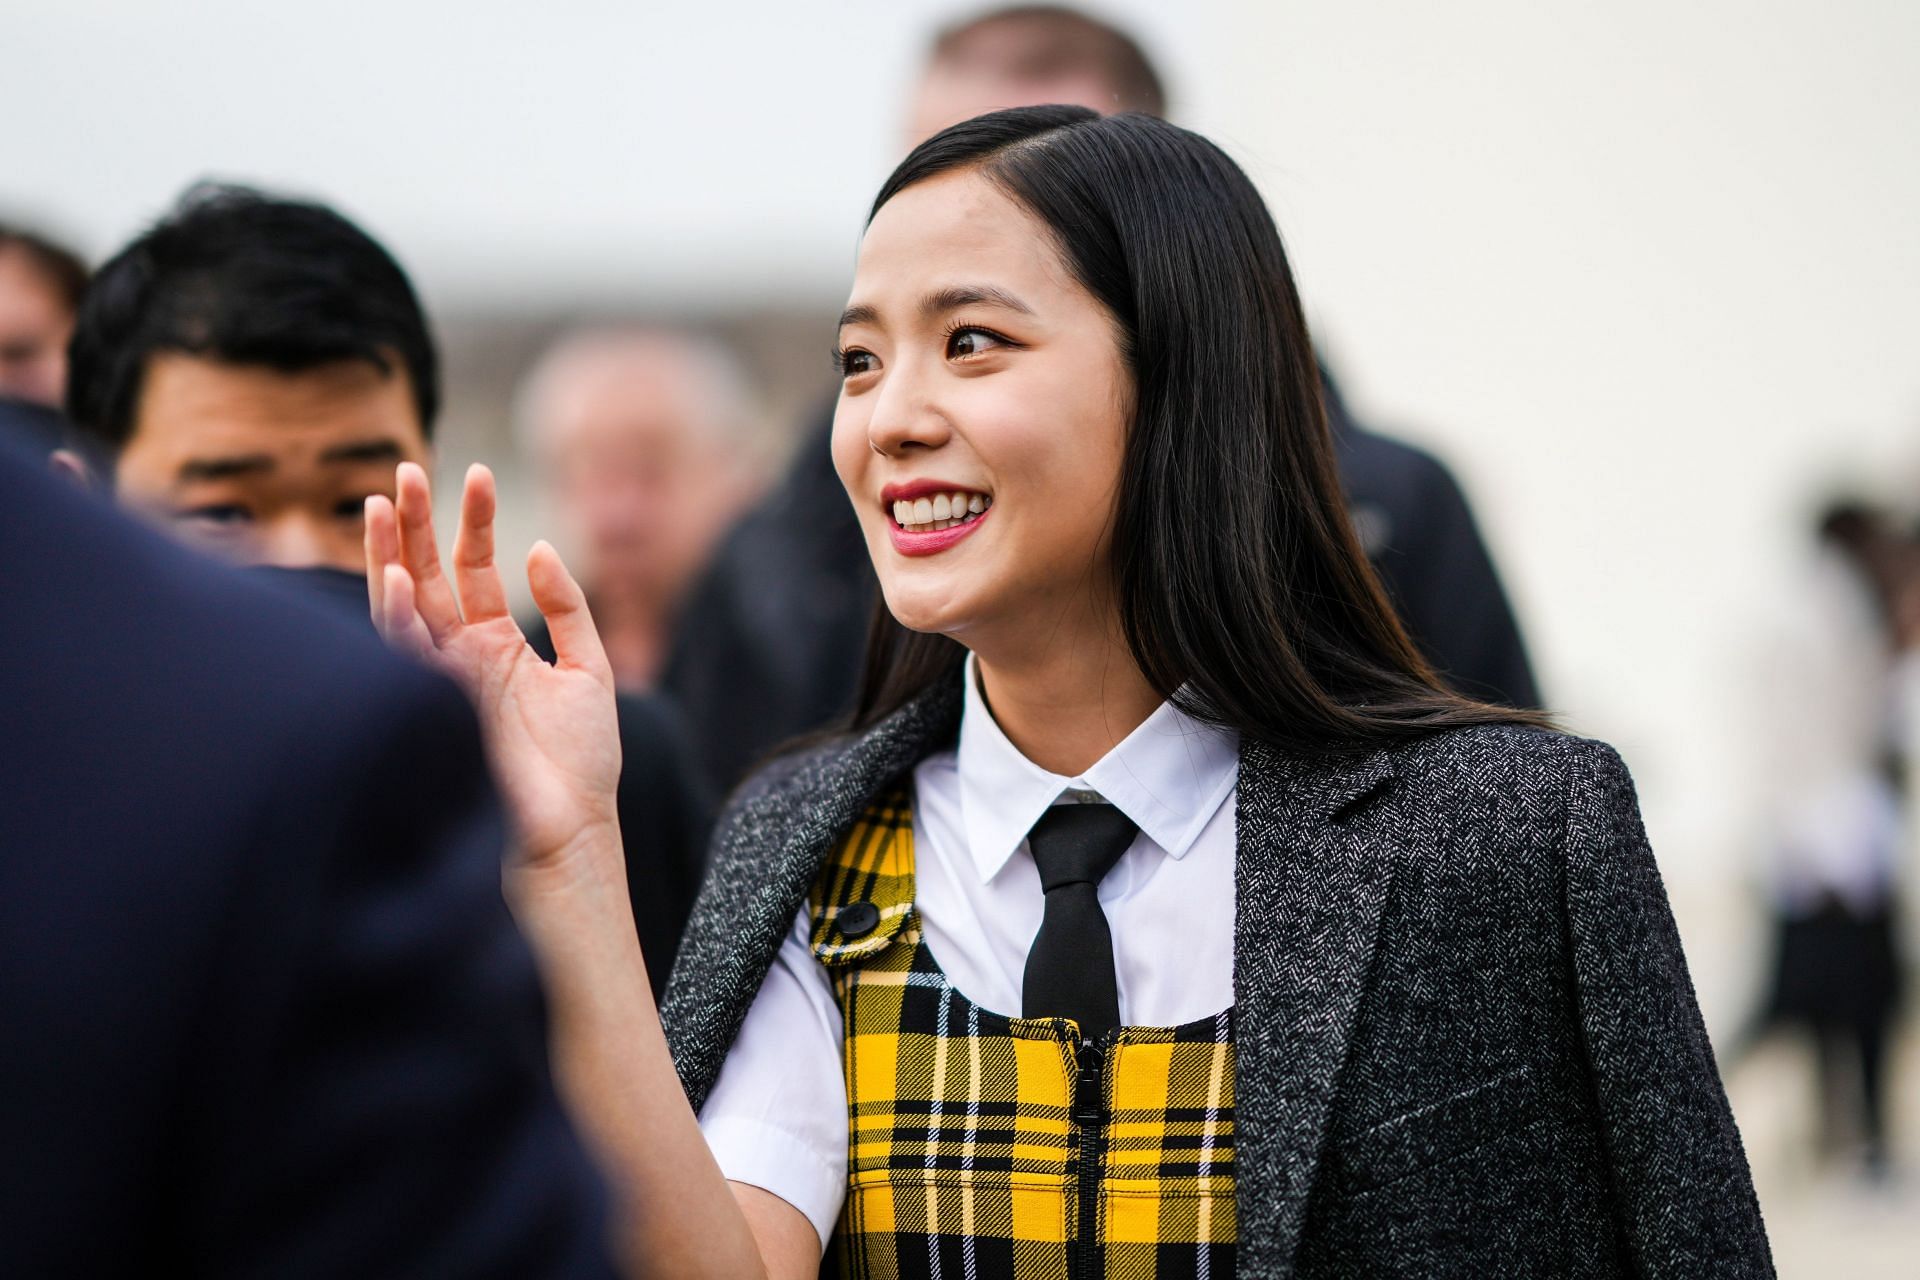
962, 343
854, 362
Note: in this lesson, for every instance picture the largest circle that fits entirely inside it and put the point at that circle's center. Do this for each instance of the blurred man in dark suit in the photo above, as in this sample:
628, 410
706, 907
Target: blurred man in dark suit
252, 369
265, 1013
770, 641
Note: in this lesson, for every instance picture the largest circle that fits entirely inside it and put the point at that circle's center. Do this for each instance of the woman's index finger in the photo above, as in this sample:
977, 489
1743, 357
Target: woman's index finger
433, 596
482, 595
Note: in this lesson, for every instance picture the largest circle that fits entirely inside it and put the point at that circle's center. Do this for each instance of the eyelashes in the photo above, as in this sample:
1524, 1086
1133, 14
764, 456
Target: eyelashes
844, 359
955, 331
849, 361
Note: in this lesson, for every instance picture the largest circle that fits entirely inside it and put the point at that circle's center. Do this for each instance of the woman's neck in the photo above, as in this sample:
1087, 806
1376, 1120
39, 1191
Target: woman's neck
1067, 707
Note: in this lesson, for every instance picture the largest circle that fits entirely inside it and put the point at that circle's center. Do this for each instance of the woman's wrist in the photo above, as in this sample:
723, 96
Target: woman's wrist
590, 863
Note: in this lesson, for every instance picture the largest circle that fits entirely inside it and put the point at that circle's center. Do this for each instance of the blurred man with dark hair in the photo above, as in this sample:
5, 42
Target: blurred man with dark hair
253, 368
770, 644
256, 368
41, 284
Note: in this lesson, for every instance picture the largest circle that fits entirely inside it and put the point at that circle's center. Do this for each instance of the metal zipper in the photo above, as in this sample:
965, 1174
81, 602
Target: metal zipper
1089, 1118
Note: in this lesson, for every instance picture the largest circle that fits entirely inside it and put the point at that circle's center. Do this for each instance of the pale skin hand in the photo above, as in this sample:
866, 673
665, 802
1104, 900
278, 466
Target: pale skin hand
554, 745
550, 730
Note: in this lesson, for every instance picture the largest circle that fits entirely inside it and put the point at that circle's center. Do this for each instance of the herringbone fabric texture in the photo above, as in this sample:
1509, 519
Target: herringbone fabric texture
965, 1145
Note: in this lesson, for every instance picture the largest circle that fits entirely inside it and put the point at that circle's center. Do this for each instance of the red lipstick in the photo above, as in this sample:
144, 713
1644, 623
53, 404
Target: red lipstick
934, 541
926, 544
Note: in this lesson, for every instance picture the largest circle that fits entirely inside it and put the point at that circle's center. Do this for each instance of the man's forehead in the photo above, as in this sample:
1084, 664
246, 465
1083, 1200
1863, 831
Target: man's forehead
188, 396
200, 418
1018, 49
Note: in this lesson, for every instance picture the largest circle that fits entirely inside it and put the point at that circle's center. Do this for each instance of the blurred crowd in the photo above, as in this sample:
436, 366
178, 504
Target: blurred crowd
248, 370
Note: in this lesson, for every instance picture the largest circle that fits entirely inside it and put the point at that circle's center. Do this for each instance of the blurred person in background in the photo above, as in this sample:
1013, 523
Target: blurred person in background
254, 368
251, 369
41, 283
644, 444
265, 1013
771, 641
1844, 680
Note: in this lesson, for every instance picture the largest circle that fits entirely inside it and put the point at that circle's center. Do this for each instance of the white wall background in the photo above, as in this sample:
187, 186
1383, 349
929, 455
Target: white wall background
1646, 273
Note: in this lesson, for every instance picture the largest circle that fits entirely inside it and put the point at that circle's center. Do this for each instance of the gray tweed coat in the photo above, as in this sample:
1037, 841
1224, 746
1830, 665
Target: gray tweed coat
1467, 1042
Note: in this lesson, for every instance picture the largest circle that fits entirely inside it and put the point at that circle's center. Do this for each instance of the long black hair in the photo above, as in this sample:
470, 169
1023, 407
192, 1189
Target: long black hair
1244, 594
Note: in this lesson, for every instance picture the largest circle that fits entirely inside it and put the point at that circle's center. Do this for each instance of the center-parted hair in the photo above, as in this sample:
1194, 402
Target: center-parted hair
1244, 594
246, 278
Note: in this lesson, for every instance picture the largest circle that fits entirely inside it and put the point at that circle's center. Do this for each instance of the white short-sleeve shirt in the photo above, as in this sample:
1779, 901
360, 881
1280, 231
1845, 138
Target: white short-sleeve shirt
777, 1115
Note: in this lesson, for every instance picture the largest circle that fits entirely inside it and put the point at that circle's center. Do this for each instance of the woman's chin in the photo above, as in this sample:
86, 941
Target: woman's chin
928, 611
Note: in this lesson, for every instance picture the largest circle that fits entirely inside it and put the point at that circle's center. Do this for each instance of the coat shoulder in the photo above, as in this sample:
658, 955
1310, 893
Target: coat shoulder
781, 791
1517, 751
1516, 773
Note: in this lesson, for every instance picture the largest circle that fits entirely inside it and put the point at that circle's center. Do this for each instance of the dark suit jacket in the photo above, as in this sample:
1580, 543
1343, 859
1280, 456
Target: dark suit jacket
1467, 1043
262, 1011
770, 642
1419, 534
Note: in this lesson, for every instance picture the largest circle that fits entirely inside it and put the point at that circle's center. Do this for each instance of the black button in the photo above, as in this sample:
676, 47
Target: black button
858, 919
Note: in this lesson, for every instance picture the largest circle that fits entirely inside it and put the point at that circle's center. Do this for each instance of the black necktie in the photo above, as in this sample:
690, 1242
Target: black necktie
1070, 968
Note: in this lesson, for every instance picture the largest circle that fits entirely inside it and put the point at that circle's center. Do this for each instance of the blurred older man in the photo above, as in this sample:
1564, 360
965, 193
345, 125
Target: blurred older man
644, 444
1026, 54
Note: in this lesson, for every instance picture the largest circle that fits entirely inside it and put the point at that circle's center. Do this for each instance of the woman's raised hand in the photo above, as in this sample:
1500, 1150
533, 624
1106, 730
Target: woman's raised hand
551, 731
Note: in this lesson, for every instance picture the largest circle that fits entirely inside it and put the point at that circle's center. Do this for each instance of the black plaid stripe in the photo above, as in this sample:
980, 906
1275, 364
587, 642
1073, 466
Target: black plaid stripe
963, 1153
874, 864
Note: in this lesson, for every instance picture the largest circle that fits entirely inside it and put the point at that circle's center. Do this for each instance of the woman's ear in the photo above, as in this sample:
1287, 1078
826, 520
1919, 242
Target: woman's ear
70, 466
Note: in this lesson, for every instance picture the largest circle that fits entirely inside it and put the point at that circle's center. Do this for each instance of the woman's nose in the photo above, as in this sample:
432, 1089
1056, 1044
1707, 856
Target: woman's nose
906, 416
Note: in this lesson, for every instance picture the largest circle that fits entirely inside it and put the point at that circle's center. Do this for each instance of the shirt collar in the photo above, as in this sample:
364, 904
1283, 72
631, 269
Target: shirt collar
1169, 776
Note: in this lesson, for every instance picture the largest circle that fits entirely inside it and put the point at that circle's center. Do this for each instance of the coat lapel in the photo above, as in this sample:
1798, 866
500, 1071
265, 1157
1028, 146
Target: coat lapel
1311, 878
771, 846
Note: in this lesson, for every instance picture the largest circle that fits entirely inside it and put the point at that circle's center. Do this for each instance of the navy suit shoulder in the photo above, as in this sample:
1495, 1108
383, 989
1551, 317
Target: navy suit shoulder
266, 1013
1381, 468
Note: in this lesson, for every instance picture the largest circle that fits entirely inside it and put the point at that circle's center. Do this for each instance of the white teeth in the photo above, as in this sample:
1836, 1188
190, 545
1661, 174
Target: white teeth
942, 511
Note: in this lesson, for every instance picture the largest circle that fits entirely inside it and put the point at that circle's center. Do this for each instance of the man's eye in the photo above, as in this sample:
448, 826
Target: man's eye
962, 343
217, 515
351, 508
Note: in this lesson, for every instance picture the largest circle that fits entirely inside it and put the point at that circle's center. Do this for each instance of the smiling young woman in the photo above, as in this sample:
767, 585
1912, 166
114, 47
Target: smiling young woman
1161, 914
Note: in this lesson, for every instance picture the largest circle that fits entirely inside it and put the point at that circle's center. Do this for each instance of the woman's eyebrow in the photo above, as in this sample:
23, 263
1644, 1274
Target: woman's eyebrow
940, 301
859, 315
954, 297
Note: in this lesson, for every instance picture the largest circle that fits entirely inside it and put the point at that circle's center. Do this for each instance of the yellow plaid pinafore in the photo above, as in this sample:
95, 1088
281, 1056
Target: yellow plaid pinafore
986, 1146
